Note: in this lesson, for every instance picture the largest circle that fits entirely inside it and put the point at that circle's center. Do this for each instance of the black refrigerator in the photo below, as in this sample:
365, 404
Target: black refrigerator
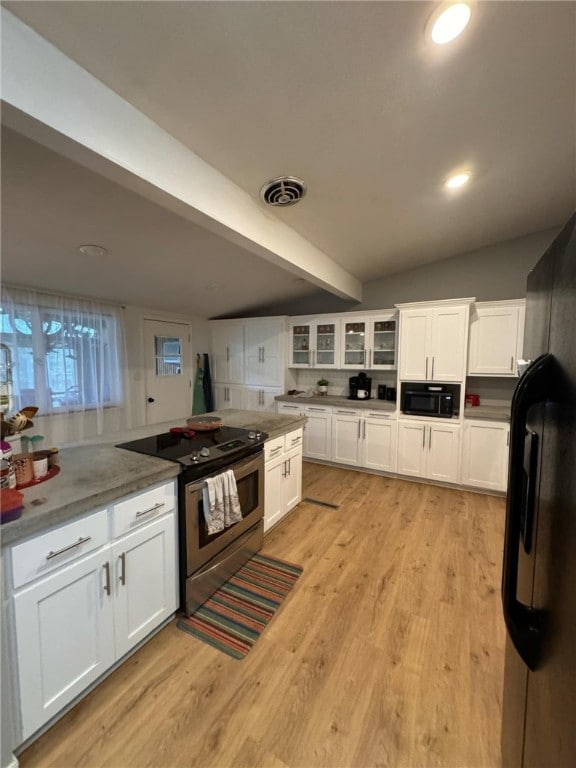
539, 568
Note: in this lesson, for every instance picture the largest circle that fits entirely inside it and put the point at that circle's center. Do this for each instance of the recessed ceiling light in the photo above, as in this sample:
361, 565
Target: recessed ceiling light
457, 181
449, 21
92, 250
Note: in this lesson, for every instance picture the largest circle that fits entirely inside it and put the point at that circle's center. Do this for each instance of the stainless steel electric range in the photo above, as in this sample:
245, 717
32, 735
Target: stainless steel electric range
207, 561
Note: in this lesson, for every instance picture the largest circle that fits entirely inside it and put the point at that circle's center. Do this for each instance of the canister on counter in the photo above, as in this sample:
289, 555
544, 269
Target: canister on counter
7, 470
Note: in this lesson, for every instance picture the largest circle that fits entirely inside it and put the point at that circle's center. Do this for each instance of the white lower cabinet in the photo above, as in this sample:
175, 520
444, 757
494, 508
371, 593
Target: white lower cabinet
364, 439
259, 399
485, 454
75, 621
379, 433
283, 477
346, 437
65, 637
145, 571
228, 396
429, 450
318, 432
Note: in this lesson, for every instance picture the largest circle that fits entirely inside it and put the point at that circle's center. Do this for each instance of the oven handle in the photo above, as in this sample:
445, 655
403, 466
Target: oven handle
240, 469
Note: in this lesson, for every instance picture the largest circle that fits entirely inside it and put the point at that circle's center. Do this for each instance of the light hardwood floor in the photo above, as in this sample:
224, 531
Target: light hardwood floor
388, 652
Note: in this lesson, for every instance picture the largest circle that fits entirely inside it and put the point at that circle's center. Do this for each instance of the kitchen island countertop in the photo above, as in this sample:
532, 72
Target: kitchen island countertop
96, 473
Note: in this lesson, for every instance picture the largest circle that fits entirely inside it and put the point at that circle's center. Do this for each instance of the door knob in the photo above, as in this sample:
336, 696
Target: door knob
151, 400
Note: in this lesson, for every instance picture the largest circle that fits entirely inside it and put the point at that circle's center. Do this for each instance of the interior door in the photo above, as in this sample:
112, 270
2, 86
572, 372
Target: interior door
168, 371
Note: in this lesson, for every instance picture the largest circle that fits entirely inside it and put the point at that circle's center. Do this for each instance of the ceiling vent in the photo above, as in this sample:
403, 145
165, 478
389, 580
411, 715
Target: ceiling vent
285, 190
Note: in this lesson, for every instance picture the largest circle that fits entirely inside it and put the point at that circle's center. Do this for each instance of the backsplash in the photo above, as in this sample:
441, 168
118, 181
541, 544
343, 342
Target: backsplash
338, 380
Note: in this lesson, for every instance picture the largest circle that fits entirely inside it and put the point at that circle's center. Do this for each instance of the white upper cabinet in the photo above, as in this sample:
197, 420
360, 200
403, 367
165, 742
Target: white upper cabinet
264, 352
383, 342
496, 338
354, 342
228, 352
314, 343
369, 342
433, 342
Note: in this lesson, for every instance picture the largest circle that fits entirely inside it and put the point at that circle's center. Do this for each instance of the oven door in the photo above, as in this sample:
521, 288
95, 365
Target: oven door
200, 546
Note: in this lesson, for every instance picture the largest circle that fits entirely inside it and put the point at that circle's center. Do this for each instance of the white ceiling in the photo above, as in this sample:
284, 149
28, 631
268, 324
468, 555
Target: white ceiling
347, 95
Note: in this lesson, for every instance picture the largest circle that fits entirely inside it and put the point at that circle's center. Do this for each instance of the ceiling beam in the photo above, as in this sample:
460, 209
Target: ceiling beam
56, 102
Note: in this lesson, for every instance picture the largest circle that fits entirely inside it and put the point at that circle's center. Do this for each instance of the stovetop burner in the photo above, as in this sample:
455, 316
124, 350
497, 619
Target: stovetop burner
206, 449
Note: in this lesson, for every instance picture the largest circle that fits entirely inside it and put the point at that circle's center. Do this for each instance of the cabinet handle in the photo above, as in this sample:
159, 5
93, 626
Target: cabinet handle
363, 430
275, 450
512, 363
507, 439
347, 413
81, 540
289, 470
426, 376
359, 427
106, 567
432, 374
423, 438
296, 439
429, 438
284, 469
151, 509
316, 409
227, 354
123, 568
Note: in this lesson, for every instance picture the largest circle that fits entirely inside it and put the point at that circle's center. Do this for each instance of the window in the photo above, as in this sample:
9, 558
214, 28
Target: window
64, 352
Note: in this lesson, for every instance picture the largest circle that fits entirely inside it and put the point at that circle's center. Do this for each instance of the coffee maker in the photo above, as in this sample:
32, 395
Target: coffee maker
360, 387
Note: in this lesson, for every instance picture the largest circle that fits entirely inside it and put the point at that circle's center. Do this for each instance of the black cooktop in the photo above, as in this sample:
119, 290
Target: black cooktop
205, 449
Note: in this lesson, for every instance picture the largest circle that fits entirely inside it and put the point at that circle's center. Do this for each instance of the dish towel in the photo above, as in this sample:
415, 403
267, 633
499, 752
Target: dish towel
221, 503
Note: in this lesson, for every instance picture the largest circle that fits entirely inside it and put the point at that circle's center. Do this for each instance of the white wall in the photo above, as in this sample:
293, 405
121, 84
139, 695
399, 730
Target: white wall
496, 272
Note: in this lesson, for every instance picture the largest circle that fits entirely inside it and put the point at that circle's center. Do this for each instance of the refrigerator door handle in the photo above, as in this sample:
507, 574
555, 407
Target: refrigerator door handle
524, 623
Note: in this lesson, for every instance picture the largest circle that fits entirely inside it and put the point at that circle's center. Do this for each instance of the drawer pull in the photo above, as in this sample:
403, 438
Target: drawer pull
296, 439
151, 509
322, 410
81, 540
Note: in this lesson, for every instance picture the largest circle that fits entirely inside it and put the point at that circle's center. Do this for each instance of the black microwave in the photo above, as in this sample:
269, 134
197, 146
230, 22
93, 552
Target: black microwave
427, 403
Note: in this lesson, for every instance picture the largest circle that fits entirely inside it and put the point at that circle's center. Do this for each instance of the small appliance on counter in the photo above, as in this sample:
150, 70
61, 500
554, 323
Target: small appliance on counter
391, 394
381, 391
471, 400
360, 387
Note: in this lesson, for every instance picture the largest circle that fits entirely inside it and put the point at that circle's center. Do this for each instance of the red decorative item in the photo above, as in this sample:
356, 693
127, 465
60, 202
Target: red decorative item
52, 472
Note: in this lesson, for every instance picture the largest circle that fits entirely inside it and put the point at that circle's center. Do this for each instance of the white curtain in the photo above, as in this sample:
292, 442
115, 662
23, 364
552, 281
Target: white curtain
68, 359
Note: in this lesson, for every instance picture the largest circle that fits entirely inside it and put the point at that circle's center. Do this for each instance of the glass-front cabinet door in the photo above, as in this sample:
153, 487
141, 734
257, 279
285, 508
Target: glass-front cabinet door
354, 343
326, 346
383, 346
301, 345
314, 344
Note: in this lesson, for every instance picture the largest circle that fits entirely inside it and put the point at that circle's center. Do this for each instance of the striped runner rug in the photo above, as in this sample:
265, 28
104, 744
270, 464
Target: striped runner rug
235, 616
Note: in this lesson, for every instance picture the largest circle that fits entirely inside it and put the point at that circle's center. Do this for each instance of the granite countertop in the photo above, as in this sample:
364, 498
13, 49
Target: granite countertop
96, 473
488, 412
339, 401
